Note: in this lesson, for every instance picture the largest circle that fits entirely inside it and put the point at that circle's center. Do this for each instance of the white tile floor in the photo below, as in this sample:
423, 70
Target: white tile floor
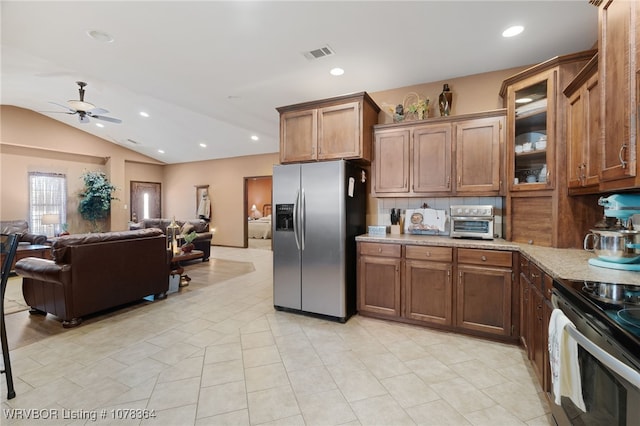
220, 355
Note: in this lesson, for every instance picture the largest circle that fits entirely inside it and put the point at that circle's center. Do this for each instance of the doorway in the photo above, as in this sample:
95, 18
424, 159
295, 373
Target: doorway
145, 200
257, 212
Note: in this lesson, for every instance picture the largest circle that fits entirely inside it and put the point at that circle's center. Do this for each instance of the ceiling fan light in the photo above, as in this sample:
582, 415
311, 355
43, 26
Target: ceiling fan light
144, 114
81, 105
99, 124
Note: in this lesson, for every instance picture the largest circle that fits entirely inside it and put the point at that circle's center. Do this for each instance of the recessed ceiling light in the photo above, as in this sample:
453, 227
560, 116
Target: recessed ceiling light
144, 114
99, 124
523, 100
204, 145
513, 31
336, 71
254, 138
161, 151
100, 36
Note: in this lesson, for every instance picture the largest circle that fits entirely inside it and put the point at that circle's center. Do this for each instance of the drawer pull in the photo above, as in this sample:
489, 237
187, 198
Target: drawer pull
534, 275
379, 249
484, 258
428, 254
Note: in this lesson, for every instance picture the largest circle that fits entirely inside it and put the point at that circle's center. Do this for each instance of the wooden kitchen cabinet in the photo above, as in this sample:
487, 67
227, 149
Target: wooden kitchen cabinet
536, 311
428, 294
479, 147
477, 300
618, 69
583, 130
379, 279
391, 171
443, 156
336, 128
537, 208
483, 299
525, 306
431, 170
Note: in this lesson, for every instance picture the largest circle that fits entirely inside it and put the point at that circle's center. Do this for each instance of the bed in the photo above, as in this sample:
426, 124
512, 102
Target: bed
260, 228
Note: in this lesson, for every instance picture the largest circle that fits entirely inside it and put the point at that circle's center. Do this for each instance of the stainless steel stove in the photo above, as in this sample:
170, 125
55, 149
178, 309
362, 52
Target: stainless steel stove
607, 330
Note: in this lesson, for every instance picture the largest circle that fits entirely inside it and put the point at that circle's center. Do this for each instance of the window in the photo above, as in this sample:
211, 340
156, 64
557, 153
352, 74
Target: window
47, 196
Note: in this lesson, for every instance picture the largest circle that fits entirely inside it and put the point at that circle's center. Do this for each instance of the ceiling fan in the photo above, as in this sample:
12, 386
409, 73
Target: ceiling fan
85, 110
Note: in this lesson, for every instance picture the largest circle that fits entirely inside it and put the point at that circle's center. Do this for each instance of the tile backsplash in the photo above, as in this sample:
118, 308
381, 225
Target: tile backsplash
384, 206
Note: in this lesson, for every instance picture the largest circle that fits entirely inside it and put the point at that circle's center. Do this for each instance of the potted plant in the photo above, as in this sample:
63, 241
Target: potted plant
95, 201
188, 241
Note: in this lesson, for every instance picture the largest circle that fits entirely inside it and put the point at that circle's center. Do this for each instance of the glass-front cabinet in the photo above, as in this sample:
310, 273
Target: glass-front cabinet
531, 136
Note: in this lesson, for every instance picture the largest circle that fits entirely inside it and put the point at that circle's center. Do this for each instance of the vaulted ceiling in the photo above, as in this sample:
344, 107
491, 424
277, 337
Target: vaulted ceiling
213, 72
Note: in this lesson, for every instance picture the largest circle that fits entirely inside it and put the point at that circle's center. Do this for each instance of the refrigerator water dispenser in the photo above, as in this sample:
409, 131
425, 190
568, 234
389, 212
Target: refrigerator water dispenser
284, 217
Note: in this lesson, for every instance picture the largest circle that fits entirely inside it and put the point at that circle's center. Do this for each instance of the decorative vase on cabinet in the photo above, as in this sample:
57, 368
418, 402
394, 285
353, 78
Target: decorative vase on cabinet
445, 100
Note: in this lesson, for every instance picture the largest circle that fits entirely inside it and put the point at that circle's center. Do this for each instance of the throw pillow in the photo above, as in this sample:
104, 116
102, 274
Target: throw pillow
186, 228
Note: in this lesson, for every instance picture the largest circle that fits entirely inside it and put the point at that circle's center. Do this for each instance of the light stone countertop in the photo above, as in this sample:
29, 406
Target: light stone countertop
559, 263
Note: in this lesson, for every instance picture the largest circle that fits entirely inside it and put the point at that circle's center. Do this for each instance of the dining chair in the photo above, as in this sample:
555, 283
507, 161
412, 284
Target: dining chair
8, 247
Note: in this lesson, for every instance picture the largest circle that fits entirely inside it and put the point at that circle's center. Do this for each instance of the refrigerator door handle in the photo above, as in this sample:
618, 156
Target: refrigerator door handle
302, 220
295, 219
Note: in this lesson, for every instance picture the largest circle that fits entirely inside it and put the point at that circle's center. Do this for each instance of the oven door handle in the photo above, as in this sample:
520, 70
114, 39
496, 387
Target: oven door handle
623, 370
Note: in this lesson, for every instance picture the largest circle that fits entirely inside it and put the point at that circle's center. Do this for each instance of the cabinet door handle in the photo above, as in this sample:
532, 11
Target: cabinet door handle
448, 181
623, 163
459, 180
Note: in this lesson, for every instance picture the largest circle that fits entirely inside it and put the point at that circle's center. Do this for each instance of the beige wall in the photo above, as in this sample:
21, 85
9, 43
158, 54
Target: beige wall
33, 142
474, 93
225, 178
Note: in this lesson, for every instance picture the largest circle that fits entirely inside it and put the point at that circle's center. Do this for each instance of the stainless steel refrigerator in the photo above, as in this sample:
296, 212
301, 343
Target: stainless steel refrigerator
319, 209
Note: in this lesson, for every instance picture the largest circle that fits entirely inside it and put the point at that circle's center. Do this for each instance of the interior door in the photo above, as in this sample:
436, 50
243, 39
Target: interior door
145, 200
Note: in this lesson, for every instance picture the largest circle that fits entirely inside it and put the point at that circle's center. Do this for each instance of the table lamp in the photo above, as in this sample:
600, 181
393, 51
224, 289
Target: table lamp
51, 219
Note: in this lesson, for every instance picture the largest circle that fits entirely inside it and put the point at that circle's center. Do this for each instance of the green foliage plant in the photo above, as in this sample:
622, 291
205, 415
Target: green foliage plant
95, 200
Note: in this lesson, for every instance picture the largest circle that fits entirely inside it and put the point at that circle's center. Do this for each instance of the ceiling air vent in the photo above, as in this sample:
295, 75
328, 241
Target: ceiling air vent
595, 2
319, 53
134, 142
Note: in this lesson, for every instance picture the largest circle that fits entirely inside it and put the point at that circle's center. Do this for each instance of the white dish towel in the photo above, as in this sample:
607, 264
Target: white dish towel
563, 359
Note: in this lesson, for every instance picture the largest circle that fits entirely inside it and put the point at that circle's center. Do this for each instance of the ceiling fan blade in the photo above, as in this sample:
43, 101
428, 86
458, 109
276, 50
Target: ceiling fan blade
57, 112
83, 118
109, 119
95, 111
73, 111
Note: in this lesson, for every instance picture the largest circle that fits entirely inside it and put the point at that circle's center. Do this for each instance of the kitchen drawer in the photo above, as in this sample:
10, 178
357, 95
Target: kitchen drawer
485, 257
535, 276
435, 254
380, 249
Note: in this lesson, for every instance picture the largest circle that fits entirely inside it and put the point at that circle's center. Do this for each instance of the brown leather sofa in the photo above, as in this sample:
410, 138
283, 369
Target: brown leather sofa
21, 227
93, 272
203, 238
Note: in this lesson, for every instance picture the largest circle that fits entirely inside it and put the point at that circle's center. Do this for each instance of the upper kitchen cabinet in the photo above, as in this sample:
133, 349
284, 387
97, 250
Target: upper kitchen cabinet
537, 208
535, 119
330, 129
583, 130
618, 70
444, 156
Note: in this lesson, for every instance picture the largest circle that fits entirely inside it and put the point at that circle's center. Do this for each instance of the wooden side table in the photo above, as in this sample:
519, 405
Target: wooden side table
177, 268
